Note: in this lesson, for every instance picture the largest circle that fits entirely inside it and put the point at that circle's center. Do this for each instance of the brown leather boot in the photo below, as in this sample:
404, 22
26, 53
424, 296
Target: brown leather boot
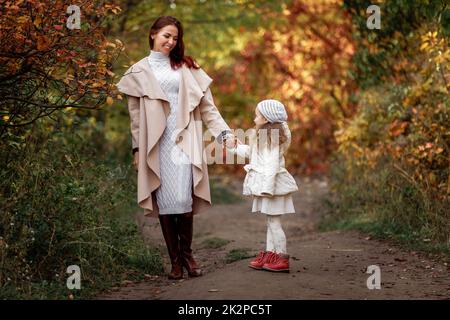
170, 232
185, 230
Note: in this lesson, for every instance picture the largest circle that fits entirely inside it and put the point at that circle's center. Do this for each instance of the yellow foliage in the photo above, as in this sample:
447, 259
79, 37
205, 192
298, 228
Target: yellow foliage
109, 101
412, 126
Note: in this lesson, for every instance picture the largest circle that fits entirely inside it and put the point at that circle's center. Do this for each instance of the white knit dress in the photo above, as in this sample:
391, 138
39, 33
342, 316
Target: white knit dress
174, 196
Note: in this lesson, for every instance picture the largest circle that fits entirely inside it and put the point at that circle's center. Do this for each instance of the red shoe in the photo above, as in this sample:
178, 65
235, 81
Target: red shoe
279, 263
261, 259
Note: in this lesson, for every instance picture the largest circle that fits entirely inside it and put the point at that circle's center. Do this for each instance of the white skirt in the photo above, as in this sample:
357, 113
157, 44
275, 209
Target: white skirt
273, 205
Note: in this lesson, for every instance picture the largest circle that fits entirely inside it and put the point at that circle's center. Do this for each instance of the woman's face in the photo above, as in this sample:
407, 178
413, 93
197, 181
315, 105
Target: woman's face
259, 119
166, 39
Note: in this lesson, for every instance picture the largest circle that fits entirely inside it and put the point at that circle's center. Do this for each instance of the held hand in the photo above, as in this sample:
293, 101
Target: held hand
136, 160
230, 142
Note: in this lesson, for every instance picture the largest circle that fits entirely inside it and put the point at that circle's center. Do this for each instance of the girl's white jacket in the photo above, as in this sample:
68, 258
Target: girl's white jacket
266, 172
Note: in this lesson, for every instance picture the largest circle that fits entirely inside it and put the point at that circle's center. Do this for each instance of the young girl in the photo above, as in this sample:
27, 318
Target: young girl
268, 181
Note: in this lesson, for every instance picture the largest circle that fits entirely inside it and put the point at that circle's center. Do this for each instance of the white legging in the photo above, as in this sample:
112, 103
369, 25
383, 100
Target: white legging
276, 239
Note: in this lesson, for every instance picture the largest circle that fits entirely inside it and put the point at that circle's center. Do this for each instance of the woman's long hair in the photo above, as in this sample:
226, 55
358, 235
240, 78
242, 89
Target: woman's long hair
176, 55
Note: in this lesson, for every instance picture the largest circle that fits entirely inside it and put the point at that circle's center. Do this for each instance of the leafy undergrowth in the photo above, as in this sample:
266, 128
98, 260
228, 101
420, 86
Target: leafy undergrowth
383, 228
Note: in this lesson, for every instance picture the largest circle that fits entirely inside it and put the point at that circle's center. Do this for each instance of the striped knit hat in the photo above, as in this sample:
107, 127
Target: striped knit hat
272, 110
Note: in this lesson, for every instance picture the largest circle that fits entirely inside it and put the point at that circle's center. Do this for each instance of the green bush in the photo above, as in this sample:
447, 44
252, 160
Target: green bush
63, 203
391, 171
382, 203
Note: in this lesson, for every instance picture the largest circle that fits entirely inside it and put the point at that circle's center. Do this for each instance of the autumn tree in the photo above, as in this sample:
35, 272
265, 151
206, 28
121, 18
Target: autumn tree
395, 150
46, 65
302, 57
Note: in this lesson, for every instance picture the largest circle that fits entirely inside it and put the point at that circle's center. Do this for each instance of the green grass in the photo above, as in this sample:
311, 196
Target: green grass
238, 254
126, 257
380, 202
215, 243
380, 227
221, 194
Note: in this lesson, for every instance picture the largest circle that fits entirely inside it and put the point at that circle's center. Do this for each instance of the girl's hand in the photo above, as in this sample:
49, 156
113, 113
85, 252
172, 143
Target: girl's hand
231, 143
136, 160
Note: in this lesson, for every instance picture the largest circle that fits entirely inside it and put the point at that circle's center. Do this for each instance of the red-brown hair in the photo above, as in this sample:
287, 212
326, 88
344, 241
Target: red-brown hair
266, 137
177, 57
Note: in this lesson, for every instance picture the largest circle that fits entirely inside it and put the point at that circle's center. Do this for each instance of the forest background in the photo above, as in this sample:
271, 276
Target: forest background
368, 109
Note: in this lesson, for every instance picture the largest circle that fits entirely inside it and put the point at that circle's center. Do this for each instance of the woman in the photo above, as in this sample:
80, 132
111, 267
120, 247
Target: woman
168, 100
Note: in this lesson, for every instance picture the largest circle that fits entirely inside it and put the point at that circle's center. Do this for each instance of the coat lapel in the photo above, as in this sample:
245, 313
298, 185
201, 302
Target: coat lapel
139, 81
193, 85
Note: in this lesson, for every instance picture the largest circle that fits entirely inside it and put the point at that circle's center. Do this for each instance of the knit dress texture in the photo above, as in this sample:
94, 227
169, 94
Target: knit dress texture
174, 196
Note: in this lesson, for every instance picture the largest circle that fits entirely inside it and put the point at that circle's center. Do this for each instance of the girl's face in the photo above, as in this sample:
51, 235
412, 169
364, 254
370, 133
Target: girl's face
259, 119
166, 39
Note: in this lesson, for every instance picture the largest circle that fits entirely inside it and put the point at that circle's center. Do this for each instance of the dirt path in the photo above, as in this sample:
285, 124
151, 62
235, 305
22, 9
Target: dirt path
330, 265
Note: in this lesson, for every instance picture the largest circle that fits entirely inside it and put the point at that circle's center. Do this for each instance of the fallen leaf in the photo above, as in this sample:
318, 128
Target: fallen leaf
109, 101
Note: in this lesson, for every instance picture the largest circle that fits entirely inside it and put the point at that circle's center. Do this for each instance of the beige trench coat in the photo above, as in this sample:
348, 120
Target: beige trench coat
149, 107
